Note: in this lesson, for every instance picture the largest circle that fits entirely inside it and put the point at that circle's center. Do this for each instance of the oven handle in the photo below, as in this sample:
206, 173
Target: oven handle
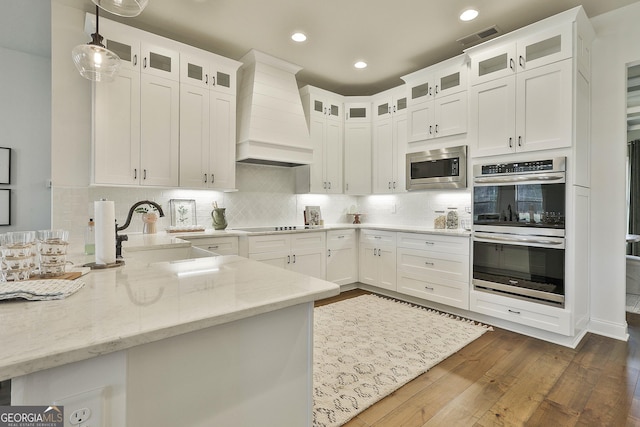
519, 240
518, 178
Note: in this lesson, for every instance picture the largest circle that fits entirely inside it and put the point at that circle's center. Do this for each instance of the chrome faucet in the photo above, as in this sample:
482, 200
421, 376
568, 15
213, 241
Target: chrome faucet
124, 237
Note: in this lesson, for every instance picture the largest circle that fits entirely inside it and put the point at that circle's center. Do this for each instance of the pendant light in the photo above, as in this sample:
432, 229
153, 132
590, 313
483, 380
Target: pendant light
126, 8
94, 61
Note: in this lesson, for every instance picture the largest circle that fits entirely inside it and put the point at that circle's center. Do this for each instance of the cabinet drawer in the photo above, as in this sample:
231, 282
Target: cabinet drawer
308, 240
338, 239
434, 242
539, 316
453, 293
434, 264
219, 245
269, 243
377, 237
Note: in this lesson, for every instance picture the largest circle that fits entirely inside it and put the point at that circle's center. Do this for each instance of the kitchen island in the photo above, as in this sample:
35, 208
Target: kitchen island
218, 340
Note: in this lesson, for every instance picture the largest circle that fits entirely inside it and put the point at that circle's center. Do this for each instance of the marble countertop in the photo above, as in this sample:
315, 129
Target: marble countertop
138, 303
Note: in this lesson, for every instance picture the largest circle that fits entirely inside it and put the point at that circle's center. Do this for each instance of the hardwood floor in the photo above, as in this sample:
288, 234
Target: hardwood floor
507, 379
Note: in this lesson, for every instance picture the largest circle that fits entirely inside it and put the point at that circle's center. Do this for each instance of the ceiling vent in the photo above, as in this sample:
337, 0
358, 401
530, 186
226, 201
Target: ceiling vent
480, 36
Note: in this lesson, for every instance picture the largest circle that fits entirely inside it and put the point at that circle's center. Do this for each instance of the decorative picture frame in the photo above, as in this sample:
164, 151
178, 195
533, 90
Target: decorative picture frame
312, 215
5, 165
5, 207
183, 212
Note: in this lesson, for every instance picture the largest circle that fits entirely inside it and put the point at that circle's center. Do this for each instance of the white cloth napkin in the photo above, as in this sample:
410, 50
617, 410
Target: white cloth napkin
39, 290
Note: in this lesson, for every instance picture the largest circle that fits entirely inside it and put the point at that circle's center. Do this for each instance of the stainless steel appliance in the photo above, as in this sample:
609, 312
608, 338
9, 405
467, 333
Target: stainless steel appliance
437, 169
519, 229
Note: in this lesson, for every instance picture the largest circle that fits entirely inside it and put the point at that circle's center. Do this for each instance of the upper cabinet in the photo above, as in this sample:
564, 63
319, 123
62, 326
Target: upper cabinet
207, 121
136, 117
168, 119
357, 146
525, 85
437, 100
389, 140
325, 119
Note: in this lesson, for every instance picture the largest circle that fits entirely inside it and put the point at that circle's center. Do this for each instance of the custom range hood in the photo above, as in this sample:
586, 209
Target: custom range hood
272, 129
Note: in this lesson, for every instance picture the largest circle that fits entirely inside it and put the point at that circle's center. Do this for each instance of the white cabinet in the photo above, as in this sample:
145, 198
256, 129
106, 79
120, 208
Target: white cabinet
301, 252
357, 147
389, 141
528, 111
225, 245
207, 122
377, 258
523, 93
434, 267
541, 48
323, 111
136, 119
342, 256
437, 100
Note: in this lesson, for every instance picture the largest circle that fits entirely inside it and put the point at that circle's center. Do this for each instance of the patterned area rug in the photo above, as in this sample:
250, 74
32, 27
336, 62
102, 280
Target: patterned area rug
367, 347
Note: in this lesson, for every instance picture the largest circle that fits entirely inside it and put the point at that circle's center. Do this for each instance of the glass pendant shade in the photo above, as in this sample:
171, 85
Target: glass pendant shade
127, 8
95, 62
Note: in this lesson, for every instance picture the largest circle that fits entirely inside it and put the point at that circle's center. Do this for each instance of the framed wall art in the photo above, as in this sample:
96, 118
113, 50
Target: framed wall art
183, 212
5, 207
5, 165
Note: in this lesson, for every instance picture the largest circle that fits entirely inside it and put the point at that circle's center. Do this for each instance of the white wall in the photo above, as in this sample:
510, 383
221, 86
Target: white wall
25, 115
616, 44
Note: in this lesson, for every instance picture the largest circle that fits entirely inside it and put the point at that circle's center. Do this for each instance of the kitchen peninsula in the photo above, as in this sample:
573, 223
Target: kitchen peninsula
218, 340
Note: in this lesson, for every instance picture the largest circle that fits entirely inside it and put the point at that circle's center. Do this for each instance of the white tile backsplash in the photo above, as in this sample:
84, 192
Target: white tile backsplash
265, 196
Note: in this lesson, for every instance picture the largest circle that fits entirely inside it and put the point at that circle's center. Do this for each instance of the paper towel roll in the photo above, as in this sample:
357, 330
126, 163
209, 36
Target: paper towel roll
105, 228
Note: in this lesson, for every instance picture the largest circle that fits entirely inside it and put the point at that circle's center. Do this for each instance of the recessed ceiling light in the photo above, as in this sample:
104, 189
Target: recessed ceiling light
298, 37
360, 64
469, 15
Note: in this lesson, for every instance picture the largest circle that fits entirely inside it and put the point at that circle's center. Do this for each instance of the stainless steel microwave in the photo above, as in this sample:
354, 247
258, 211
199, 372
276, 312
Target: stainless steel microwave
444, 168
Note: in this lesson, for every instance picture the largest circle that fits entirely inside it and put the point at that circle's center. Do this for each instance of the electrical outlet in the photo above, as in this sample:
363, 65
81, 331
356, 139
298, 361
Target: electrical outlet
84, 409
80, 416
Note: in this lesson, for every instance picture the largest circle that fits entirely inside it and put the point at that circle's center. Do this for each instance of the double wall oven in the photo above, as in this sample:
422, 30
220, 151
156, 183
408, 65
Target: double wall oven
519, 229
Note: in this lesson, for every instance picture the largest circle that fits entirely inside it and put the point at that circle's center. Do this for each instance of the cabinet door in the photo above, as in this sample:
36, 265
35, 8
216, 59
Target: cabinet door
342, 265
127, 48
383, 156
332, 159
357, 158
421, 121
545, 47
492, 116
400, 143
194, 135
317, 132
357, 112
544, 105
222, 146
450, 80
194, 71
450, 115
493, 63
160, 61
421, 92
219, 245
222, 79
159, 130
116, 132
368, 265
309, 261
387, 268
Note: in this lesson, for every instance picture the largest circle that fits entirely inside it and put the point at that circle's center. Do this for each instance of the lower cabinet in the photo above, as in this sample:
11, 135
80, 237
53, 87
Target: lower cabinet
342, 257
300, 252
434, 267
377, 258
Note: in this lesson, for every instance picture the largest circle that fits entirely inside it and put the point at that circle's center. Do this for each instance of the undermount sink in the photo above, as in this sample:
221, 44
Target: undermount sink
166, 254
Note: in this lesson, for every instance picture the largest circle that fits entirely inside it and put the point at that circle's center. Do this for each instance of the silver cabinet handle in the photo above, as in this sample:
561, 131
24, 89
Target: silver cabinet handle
377, 237
213, 247
394, 185
513, 311
428, 288
511, 63
379, 252
437, 90
144, 174
135, 59
428, 243
375, 252
288, 259
341, 236
294, 259
428, 263
519, 140
329, 253
430, 130
510, 142
205, 178
437, 129
213, 178
206, 79
135, 173
213, 80
521, 61
144, 62
389, 185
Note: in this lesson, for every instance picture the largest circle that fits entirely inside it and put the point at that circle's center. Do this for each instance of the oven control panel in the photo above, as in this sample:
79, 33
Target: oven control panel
518, 167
